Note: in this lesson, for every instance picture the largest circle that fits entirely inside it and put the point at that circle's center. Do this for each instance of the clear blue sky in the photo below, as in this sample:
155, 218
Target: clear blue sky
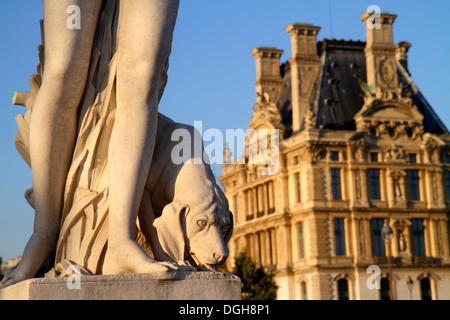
212, 72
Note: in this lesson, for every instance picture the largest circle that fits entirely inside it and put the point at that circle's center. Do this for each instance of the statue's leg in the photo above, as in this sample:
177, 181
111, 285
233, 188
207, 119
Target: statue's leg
145, 36
53, 125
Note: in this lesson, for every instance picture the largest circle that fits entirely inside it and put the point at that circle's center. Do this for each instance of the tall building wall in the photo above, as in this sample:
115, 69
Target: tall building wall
354, 158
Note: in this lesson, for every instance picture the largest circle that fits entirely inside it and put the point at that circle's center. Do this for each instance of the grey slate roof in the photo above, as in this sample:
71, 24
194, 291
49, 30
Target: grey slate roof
337, 96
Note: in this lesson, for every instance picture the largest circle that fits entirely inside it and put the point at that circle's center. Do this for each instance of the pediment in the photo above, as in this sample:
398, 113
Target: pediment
393, 119
391, 112
266, 117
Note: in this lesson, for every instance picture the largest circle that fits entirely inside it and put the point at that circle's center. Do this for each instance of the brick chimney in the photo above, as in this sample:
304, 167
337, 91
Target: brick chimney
380, 52
304, 66
268, 76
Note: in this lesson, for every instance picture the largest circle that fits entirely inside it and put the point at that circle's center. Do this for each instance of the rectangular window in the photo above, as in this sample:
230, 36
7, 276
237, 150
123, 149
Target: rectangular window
418, 237
377, 238
339, 236
385, 290
414, 187
334, 156
271, 197
260, 195
273, 246
301, 244
373, 157
425, 289
374, 180
343, 293
297, 188
447, 158
250, 211
412, 158
304, 291
336, 183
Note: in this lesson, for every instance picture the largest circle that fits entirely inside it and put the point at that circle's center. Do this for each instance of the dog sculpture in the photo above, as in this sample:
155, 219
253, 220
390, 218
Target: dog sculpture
183, 209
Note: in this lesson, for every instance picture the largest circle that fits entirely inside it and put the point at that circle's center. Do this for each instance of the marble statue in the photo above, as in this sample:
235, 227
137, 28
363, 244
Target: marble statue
107, 196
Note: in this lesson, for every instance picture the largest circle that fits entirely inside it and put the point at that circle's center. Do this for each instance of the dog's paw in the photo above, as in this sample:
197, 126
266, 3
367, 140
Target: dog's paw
185, 266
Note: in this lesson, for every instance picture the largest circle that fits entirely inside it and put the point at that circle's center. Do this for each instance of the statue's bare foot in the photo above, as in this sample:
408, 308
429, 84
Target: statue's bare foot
37, 250
14, 277
129, 257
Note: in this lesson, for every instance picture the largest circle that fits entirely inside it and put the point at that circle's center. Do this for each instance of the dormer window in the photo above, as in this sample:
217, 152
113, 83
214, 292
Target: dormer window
447, 158
374, 157
334, 156
412, 158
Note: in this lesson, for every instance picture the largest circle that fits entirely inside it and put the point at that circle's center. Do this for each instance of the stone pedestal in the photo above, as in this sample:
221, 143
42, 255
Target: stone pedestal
170, 286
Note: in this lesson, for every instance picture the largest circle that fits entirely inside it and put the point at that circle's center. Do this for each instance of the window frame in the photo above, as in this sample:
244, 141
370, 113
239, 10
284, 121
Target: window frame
374, 188
414, 184
334, 156
430, 290
377, 239
418, 237
412, 158
385, 294
447, 181
340, 289
336, 183
340, 245
303, 290
373, 157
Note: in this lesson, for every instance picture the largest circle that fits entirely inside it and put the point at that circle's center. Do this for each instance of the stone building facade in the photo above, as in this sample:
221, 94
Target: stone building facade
359, 146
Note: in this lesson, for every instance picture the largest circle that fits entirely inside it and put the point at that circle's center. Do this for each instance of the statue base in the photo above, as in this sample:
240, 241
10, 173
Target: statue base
170, 286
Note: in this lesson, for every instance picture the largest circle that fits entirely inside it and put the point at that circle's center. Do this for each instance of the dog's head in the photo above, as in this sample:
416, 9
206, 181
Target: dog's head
203, 230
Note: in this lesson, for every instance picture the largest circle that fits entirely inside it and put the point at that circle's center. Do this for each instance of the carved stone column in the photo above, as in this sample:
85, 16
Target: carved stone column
445, 242
427, 237
367, 236
364, 188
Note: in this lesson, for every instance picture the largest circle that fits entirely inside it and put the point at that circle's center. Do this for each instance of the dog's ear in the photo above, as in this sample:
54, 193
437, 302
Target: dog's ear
230, 230
170, 229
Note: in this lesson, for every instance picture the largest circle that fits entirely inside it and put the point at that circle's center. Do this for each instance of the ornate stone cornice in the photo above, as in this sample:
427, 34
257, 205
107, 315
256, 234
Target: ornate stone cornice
388, 112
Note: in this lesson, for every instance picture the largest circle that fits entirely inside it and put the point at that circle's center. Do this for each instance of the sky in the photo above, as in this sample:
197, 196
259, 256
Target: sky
212, 73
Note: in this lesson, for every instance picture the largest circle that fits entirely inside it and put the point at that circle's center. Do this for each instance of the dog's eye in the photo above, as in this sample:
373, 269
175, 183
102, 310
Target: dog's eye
202, 223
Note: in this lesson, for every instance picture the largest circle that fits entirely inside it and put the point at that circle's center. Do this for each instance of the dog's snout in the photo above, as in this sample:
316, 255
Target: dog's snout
220, 257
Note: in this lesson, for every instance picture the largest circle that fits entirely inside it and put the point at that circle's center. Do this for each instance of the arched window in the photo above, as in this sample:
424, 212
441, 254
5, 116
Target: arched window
425, 289
303, 291
385, 290
343, 293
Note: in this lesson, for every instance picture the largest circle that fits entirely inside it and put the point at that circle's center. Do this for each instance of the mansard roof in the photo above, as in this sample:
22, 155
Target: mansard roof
337, 95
